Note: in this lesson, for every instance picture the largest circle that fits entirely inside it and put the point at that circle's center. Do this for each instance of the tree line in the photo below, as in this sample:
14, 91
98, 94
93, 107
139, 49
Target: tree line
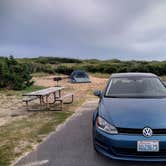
53, 65
16, 73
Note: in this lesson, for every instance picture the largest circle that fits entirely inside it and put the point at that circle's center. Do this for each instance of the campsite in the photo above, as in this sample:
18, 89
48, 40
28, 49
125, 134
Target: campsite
17, 134
22, 130
82, 83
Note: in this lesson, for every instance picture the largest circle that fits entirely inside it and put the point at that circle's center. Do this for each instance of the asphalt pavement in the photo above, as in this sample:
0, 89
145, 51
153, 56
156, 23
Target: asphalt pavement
71, 145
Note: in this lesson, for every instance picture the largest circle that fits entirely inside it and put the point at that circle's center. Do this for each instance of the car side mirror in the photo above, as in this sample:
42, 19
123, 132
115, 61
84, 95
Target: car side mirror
97, 93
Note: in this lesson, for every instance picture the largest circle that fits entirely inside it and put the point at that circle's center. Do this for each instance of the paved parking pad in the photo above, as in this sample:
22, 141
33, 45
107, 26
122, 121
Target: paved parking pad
71, 145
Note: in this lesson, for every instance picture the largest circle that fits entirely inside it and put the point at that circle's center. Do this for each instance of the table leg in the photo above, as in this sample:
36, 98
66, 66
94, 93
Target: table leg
47, 102
54, 97
41, 103
59, 93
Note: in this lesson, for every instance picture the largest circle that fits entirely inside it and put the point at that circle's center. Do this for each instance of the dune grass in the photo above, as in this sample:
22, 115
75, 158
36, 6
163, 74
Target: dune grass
19, 136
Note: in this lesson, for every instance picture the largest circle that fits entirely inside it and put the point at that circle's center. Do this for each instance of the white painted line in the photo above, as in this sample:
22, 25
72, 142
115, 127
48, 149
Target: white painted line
37, 163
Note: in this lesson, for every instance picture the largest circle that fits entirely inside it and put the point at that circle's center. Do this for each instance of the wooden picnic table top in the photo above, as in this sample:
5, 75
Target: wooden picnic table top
44, 92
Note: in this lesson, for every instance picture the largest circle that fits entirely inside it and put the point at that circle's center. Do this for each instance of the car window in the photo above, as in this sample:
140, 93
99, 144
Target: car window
136, 87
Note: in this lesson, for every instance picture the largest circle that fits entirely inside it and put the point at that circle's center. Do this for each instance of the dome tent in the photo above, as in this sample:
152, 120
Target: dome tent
79, 76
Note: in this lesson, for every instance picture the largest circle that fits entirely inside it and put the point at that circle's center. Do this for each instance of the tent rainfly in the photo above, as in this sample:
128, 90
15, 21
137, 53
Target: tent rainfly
79, 76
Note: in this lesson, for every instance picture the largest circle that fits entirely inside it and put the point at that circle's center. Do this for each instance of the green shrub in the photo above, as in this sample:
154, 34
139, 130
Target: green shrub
53, 65
14, 75
62, 69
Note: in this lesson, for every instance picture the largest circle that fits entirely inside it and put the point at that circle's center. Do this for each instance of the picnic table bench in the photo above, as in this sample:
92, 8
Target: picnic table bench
28, 99
61, 99
47, 98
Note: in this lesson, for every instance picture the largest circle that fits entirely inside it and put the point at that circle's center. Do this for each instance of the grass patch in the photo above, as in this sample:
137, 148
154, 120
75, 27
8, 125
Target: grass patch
19, 93
19, 136
32, 88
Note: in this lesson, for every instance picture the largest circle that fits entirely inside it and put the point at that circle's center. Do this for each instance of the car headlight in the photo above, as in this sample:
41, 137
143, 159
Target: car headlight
105, 126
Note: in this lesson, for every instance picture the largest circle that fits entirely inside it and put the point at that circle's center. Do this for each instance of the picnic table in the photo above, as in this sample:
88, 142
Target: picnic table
47, 97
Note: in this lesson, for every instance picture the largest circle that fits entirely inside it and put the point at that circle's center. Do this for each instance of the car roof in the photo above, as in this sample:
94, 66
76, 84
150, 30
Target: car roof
133, 75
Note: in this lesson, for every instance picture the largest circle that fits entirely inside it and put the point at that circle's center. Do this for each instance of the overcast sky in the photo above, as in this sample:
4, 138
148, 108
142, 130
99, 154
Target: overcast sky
103, 29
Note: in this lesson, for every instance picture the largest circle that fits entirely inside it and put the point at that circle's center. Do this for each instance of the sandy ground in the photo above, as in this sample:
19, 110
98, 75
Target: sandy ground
12, 107
80, 88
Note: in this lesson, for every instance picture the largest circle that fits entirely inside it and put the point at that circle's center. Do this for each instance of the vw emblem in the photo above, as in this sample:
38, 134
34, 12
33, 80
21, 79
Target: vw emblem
147, 132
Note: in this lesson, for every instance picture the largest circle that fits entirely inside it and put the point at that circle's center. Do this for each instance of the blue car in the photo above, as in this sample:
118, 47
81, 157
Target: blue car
130, 120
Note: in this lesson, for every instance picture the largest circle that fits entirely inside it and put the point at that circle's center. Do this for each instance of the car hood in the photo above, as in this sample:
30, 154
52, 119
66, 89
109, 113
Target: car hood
134, 113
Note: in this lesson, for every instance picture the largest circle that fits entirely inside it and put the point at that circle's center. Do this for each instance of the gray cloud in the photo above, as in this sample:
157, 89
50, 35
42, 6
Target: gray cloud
125, 29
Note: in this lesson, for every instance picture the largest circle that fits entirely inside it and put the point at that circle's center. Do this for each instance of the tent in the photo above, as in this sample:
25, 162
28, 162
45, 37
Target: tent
79, 76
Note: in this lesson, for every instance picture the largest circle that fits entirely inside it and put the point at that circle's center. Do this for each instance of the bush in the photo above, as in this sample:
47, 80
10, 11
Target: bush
62, 69
66, 66
56, 60
14, 75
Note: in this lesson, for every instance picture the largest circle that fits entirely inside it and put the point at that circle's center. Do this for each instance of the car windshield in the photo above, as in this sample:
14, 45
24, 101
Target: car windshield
142, 87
